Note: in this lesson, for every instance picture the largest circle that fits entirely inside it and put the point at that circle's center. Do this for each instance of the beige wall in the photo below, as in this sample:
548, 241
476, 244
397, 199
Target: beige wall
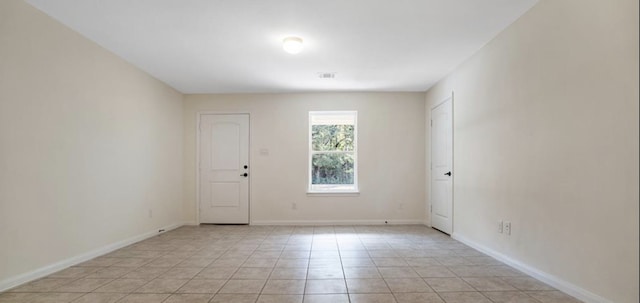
88, 144
546, 136
391, 156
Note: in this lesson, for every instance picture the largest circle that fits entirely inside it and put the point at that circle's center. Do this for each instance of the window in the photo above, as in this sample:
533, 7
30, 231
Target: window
333, 152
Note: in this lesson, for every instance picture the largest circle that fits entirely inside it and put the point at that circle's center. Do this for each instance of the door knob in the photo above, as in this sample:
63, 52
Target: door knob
244, 175
448, 174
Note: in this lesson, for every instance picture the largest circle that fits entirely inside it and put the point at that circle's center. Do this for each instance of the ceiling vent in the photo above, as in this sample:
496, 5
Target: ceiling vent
326, 75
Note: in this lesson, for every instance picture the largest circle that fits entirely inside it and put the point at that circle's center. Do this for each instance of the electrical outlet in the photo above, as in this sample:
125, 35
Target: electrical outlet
500, 226
507, 228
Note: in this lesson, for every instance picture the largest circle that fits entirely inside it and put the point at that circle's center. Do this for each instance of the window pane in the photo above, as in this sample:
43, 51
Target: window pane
334, 168
332, 137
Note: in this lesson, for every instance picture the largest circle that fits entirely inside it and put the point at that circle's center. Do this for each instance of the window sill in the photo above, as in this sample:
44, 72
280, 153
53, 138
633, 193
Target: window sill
333, 193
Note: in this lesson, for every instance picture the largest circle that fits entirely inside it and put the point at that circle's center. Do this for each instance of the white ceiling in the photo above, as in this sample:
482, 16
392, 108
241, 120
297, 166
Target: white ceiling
232, 46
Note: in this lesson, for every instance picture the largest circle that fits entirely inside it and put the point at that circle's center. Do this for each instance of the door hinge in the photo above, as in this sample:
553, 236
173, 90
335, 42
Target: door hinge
431, 122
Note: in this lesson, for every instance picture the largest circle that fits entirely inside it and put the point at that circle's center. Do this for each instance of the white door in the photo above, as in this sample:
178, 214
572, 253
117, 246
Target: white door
224, 169
441, 166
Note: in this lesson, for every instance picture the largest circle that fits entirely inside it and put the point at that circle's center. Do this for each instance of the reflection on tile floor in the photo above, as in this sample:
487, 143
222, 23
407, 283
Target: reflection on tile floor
210, 263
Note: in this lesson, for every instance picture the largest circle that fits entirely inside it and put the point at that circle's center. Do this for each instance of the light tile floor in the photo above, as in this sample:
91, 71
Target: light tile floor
282, 264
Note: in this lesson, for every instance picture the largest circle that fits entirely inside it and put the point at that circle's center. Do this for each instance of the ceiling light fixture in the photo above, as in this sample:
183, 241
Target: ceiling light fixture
292, 45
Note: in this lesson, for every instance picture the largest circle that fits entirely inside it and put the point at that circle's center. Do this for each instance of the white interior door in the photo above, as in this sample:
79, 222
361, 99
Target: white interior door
224, 169
441, 166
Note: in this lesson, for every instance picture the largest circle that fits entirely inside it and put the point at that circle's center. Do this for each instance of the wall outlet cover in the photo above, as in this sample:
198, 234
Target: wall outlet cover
507, 228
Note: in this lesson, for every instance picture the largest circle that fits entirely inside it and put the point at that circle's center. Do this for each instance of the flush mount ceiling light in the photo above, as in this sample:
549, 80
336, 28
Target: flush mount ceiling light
292, 45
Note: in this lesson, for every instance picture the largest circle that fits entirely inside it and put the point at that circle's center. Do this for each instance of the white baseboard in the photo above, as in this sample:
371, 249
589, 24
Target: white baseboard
52, 268
558, 283
337, 222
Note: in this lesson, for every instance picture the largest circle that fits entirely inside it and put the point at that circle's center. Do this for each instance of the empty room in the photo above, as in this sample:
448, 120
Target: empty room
291, 151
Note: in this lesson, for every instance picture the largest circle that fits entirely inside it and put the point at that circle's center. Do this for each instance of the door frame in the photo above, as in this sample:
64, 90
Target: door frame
433, 106
199, 115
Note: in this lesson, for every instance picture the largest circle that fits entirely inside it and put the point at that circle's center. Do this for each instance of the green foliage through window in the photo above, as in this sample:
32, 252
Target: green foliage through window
332, 137
332, 168
333, 159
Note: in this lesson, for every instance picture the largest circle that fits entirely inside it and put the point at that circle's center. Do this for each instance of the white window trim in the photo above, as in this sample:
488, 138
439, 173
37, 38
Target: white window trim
349, 192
